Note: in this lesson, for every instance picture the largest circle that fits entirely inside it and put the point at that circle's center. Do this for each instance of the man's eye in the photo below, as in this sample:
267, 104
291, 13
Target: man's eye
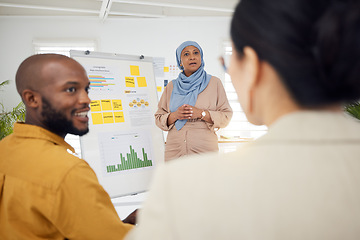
71, 90
87, 89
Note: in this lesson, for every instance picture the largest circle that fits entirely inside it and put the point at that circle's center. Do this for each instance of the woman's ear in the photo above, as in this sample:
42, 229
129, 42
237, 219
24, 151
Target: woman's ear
252, 65
31, 98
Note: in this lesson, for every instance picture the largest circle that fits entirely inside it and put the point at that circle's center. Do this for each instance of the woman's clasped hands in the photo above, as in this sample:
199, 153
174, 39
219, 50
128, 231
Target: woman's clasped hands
188, 112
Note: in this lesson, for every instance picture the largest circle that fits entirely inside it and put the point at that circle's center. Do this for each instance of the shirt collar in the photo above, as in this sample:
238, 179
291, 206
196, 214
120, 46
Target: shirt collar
32, 131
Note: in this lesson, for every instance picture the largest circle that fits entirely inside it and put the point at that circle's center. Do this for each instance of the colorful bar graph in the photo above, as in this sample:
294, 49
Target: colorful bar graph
100, 81
132, 162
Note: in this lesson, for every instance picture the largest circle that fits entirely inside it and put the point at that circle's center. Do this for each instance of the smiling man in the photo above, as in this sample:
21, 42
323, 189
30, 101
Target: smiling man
55, 90
45, 191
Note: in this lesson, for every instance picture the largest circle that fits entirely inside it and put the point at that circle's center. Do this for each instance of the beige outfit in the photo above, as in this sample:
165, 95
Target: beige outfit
196, 136
299, 181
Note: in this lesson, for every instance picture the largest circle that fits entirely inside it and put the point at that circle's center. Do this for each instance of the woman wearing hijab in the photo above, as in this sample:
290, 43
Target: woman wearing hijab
192, 107
294, 64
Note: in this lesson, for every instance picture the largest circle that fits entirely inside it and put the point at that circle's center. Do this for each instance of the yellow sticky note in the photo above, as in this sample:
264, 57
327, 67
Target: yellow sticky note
95, 106
119, 117
106, 104
166, 69
158, 89
141, 81
108, 117
117, 105
97, 118
134, 70
130, 82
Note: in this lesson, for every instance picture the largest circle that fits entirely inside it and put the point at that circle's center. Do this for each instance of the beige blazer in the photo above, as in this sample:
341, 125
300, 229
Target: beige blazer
299, 181
196, 136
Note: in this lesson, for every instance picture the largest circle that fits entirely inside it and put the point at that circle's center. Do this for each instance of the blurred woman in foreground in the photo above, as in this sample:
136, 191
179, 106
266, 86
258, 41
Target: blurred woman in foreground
294, 64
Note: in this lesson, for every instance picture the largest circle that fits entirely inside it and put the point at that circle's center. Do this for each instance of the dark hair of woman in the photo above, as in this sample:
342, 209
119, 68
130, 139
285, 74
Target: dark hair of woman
313, 44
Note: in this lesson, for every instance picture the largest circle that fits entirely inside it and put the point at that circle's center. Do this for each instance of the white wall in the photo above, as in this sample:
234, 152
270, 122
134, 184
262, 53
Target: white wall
149, 37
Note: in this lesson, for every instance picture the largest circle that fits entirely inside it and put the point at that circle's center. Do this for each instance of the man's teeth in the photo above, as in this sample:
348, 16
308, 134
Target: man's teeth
81, 114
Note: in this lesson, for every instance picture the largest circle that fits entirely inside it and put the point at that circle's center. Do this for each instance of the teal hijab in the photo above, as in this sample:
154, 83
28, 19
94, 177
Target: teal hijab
186, 89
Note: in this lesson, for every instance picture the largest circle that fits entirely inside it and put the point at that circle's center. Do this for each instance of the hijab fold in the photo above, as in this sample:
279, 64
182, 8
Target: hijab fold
186, 89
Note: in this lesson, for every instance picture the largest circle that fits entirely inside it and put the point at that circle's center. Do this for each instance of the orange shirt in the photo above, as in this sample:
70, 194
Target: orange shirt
48, 193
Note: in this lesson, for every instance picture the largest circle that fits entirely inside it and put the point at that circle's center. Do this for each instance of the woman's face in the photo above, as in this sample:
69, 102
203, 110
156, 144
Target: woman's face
190, 60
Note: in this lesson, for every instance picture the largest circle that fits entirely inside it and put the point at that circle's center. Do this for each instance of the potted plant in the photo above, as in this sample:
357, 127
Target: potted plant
8, 118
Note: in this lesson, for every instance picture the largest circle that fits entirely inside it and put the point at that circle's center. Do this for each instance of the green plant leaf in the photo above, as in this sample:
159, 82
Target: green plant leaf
3, 83
353, 109
8, 118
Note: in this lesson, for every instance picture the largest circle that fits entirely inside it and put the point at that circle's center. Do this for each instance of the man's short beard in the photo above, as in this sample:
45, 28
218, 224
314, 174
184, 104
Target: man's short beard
56, 121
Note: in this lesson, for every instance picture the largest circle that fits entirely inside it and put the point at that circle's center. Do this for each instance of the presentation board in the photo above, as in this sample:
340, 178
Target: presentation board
124, 145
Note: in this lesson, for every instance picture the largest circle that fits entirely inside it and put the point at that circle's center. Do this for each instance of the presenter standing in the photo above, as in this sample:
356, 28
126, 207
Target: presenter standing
192, 107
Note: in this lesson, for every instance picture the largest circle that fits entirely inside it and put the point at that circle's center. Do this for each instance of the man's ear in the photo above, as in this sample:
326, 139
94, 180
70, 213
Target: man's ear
31, 98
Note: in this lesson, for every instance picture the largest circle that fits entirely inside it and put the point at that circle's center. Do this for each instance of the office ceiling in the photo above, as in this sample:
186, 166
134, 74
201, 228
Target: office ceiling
104, 9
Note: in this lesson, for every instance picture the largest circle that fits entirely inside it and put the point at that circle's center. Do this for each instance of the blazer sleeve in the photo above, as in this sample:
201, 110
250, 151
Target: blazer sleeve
223, 113
163, 112
154, 220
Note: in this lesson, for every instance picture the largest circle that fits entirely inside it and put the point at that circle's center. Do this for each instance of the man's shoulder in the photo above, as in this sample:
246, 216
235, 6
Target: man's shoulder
51, 151
42, 162
59, 157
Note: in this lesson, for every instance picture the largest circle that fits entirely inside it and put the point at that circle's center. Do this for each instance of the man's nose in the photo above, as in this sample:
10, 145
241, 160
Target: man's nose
84, 97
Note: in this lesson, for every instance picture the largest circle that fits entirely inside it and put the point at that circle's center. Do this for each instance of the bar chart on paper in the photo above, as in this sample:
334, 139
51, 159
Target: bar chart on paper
132, 161
101, 83
125, 151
